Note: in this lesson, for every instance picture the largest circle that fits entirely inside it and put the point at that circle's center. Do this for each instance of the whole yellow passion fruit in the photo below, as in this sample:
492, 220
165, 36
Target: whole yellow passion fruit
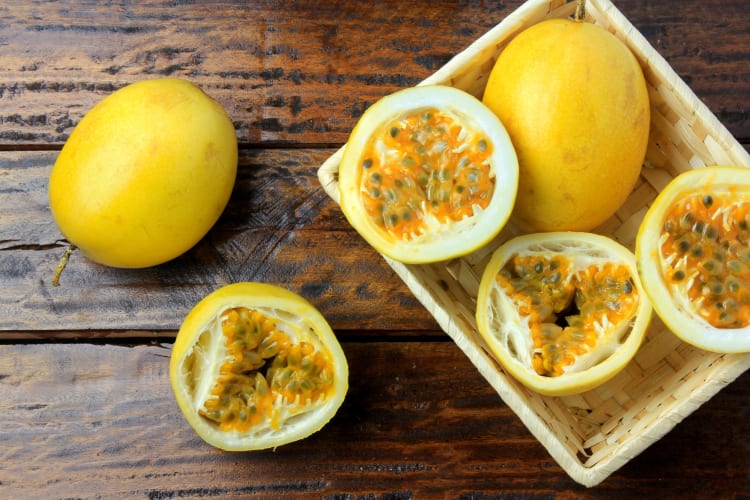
574, 101
145, 174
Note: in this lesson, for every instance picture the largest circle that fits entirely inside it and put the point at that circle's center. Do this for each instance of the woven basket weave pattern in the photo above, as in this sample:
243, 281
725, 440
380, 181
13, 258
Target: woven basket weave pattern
592, 434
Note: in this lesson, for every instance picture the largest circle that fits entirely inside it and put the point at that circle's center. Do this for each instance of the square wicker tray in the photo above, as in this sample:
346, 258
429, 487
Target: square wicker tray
593, 434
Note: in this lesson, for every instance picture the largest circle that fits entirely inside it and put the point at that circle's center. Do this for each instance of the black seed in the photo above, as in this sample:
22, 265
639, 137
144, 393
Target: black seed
678, 275
709, 265
707, 200
735, 266
376, 178
711, 232
394, 131
460, 189
627, 287
367, 163
538, 267
408, 162
683, 245
687, 220
668, 226
698, 227
697, 251
482, 145
375, 192
393, 219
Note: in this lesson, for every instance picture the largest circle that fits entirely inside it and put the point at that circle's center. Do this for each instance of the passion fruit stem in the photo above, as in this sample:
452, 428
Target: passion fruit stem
580, 14
61, 264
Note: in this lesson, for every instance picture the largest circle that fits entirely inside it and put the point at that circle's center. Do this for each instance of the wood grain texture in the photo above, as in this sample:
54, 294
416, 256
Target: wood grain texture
90, 421
279, 227
84, 390
302, 72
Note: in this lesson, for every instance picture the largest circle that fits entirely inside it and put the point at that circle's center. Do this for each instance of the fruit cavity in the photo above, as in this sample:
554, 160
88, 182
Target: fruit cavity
562, 311
693, 251
256, 366
428, 174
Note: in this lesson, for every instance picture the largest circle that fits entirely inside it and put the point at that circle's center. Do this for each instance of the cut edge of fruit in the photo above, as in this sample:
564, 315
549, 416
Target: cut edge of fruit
431, 246
679, 314
513, 349
290, 420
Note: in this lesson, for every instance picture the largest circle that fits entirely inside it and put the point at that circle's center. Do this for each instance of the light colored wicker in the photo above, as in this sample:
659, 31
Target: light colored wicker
593, 434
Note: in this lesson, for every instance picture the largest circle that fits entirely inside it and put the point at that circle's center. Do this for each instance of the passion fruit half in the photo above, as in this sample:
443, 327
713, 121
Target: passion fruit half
693, 253
428, 174
562, 312
256, 366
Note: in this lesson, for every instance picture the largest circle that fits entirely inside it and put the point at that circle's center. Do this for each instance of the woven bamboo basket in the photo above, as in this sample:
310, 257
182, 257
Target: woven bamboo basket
593, 434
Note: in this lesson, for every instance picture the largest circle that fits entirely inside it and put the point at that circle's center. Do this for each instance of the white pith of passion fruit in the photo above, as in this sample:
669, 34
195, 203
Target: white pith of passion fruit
428, 174
693, 253
562, 312
256, 366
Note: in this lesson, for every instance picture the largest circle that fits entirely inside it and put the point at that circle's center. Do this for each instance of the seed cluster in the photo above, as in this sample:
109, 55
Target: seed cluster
569, 310
425, 162
244, 395
705, 249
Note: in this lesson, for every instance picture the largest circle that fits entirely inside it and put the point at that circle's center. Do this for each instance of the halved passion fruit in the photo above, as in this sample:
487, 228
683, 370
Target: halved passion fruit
563, 312
429, 173
256, 366
693, 253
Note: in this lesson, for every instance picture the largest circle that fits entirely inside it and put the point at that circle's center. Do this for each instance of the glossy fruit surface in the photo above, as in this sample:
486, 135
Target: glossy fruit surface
574, 101
256, 366
693, 251
563, 312
428, 174
145, 174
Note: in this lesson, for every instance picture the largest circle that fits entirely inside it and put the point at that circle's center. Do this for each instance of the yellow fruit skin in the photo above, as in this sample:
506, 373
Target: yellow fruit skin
573, 246
145, 174
574, 101
671, 306
448, 240
253, 295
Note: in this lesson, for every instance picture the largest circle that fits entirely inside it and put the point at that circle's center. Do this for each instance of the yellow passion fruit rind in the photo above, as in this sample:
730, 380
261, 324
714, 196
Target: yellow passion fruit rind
256, 366
693, 253
428, 173
562, 312
145, 174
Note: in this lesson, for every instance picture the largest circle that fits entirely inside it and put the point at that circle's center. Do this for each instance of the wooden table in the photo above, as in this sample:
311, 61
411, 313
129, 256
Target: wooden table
84, 389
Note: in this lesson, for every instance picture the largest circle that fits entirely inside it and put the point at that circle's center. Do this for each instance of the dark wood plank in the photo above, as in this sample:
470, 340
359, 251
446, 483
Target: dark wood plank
302, 73
279, 227
84, 420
